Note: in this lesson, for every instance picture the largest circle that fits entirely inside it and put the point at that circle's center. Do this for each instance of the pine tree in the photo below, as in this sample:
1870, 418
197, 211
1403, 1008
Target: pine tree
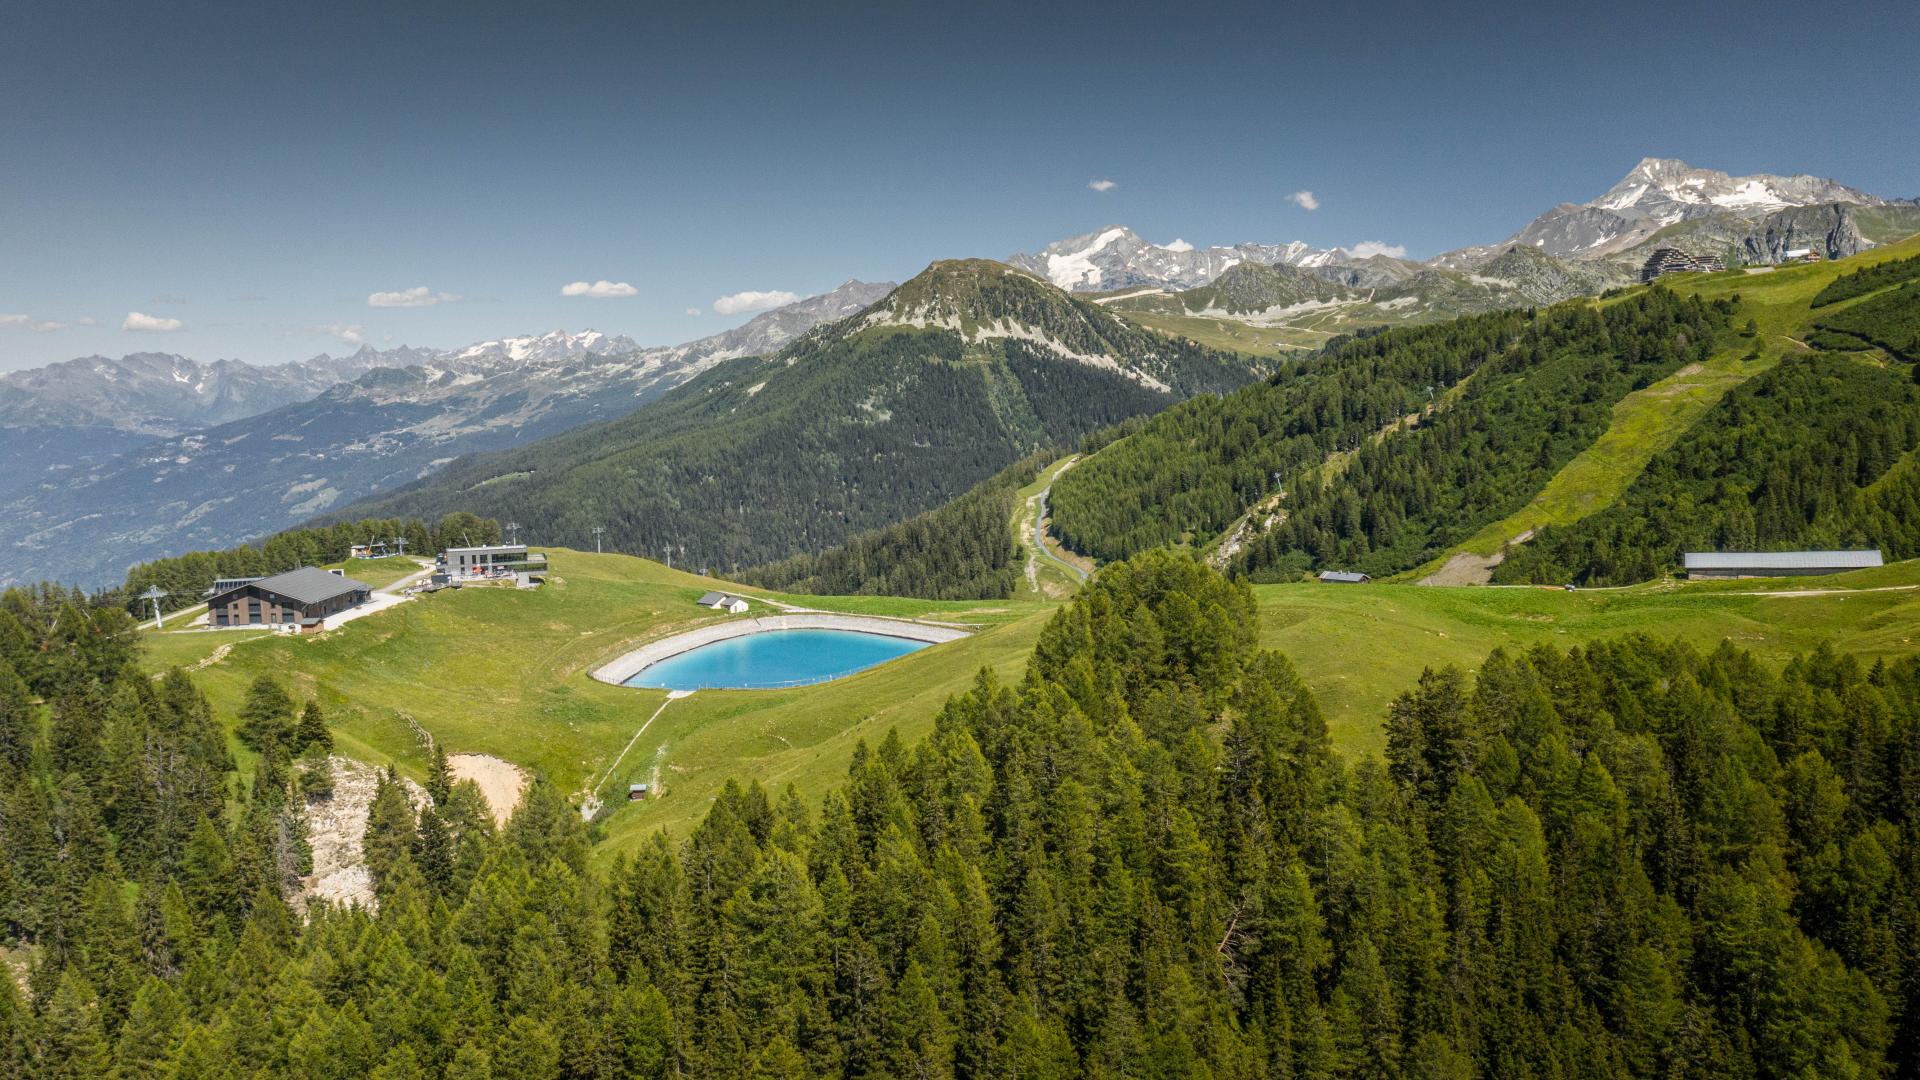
19, 721
312, 731
433, 851
392, 829
153, 1026
72, 1042
439, 778
266, 716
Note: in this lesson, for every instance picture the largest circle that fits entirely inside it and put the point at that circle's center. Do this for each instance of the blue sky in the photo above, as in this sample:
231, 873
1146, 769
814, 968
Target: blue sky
257, 175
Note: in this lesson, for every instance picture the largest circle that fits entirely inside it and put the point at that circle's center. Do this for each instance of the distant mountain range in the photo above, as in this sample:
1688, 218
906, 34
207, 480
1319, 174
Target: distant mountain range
164, 394
862, 422
247, 449
1660, 200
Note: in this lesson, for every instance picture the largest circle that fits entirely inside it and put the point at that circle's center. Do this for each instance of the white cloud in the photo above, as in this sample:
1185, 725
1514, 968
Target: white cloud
1304, 200
599, 290
418, 296
752, 300
352, 335
1102, 184
1366, 249
693, 311
1179, 245
150, 323
38, 326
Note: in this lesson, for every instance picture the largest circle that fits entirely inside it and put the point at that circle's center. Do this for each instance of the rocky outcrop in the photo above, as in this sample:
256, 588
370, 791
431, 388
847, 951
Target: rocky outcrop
1830, 230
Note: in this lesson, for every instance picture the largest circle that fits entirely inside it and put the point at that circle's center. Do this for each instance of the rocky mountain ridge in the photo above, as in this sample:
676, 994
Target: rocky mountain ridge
1661, 200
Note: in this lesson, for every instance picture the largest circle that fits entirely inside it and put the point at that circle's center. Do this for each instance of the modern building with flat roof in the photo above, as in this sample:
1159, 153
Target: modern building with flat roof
1746, 564
490, 560
303, 598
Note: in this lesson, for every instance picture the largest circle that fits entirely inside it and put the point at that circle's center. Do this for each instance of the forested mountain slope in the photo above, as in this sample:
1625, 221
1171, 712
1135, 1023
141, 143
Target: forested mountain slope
1889, 321
1191, 471
858, 425
1631, 859
1816, 453
1520, 418
957, 551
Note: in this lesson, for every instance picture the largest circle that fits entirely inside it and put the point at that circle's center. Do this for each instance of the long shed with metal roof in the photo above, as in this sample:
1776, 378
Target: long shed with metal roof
1744, 564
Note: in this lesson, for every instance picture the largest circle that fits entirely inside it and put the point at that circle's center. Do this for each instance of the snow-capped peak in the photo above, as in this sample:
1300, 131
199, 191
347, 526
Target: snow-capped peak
547, 348
1667, 189
1117, 258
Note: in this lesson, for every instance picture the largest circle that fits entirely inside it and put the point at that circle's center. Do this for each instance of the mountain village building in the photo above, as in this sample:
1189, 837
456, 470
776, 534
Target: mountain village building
303, 598
1668, 260
490, 561
720, 601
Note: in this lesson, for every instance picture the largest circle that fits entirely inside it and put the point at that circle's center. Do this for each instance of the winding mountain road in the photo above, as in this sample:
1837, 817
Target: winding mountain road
1039, 503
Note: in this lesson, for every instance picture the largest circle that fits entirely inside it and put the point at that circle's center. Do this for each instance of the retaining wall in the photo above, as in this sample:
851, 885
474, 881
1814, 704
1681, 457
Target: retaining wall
627, 666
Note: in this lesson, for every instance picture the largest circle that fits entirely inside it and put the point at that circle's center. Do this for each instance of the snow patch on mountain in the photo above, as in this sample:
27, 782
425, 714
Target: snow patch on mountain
1117, 258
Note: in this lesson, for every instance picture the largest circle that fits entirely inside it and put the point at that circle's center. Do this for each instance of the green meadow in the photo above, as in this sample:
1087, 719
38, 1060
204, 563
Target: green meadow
1359, 646
505, 672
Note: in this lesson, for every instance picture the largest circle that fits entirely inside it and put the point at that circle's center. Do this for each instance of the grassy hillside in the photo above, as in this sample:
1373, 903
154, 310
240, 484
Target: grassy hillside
1047, 570
1359, 646
504, 672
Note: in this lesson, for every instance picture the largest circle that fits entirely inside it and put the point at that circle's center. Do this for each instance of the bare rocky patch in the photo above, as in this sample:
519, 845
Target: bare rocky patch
335, 827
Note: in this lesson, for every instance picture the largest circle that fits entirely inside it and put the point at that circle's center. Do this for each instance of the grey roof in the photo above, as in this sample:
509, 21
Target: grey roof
1781, 560
310, 585
1343, 576
712, 598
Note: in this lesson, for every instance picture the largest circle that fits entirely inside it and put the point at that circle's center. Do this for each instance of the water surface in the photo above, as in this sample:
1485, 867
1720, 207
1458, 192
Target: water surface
773, 658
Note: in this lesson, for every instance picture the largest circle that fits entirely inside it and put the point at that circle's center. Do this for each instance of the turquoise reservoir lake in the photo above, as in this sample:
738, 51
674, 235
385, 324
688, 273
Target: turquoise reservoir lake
773, 659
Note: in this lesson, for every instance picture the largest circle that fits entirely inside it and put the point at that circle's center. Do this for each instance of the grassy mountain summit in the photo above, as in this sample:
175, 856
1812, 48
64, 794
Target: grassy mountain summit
986, 302
861, 423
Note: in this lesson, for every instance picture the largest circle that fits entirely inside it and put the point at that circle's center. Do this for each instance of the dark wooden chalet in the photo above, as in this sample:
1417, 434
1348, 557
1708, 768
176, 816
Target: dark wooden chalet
300, 597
